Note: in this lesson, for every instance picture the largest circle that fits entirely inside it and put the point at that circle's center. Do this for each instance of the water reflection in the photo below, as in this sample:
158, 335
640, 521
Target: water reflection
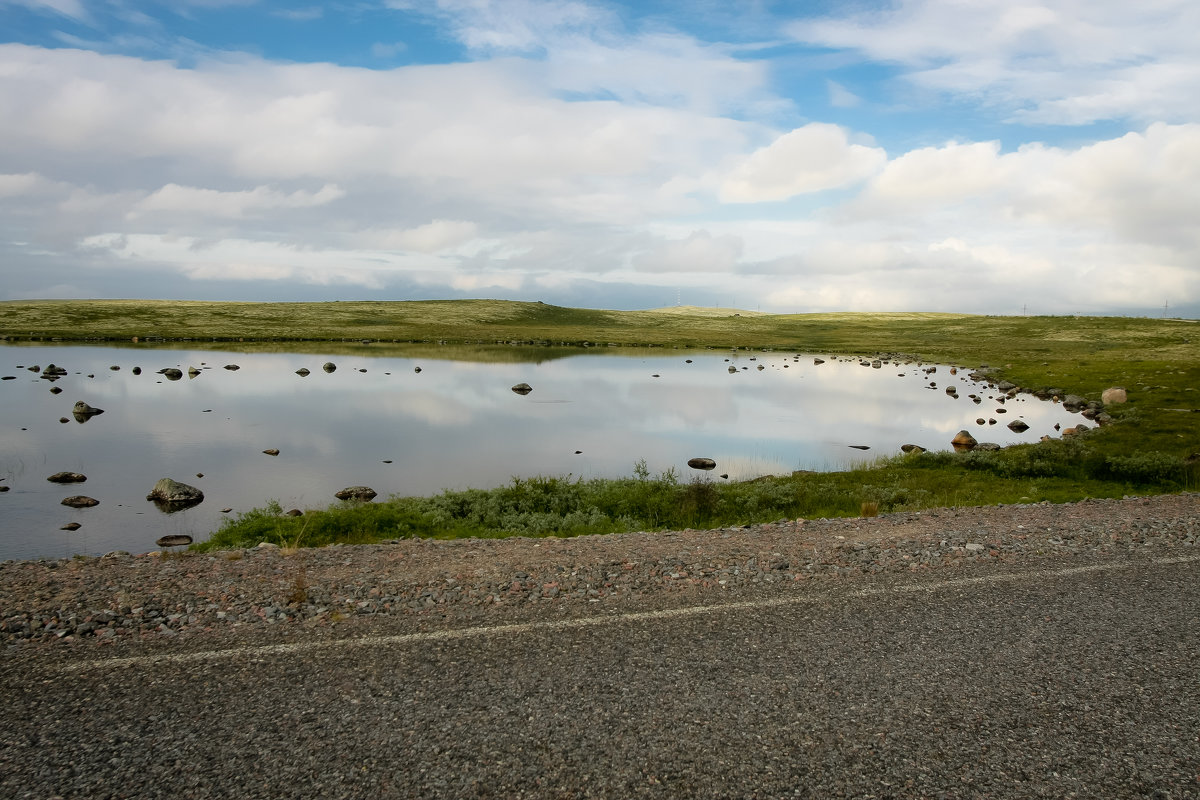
377, 421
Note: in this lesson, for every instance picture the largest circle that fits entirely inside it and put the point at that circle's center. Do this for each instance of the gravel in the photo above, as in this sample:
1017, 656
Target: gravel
119, 598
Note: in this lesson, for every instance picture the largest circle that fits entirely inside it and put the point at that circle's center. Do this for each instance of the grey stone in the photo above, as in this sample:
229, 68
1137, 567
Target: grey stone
522, 388
167, 490
363, 493
702, 463
67, 477
80, 501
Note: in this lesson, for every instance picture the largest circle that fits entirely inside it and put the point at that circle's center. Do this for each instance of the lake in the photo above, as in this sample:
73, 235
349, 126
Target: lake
415, 422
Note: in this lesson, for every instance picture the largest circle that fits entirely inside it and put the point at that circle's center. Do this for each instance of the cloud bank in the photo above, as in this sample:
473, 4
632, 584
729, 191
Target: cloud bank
576, 153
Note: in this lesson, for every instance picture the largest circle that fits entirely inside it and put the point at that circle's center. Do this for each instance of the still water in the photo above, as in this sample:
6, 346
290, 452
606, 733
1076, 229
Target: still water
410, 425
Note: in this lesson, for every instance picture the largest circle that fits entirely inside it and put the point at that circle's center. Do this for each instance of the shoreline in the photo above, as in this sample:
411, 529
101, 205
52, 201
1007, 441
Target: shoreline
112, 603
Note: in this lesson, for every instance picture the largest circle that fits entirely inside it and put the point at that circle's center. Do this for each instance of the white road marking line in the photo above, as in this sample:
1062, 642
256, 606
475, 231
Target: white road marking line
289, 648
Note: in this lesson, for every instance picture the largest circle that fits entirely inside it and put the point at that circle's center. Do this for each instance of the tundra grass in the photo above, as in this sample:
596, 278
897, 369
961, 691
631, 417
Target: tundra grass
1150, 447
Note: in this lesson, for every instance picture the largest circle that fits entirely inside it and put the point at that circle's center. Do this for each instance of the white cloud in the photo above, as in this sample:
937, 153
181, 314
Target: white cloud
441, 234
809, 159
699, 252
1047, 61
840, 96
20, 184
213, 203
68, 8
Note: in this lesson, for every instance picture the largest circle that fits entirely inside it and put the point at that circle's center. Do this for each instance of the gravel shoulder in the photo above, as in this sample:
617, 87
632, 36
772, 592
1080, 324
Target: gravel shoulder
125, 603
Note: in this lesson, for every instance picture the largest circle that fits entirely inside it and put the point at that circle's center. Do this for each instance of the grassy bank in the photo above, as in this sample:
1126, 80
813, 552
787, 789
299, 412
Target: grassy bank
1147, 449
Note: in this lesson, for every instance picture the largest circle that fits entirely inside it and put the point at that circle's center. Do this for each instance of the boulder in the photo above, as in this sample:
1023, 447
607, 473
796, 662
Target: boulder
987, 446
80, 501
86, 410
362, 493
232, 367
818, 361
1073, 402
702, 463
911, 448
963, 440
167, 492
271, 451
71, 526
173, 540
136, 370
329, 366
171, 374
55, 390
522, 388
1018, 426
193, 372
67, 477
302, 372
1113, 395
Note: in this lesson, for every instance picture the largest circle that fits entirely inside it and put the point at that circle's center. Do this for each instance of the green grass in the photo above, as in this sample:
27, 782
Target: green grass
1148, 448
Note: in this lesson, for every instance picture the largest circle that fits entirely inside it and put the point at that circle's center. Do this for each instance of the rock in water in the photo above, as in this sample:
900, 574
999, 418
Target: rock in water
329, 366
71, 526
363, 493
171, 374
80, 501
702, 463
174, 495
522, 388
173, 540
82, 409
173, 491
67, 477
912, 448
963, 440
271, 451
1018, 426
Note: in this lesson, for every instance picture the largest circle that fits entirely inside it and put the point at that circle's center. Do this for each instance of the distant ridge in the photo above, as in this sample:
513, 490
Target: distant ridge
704, 311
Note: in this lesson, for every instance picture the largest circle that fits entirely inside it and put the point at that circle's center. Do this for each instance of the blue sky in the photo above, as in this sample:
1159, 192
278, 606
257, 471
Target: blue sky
943, 155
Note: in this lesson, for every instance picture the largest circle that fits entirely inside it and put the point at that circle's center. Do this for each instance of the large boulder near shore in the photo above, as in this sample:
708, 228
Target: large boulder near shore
1018, 426
1114, 395
963, 440
362, 493
1073, 402
174, 495
702, 463
912, 448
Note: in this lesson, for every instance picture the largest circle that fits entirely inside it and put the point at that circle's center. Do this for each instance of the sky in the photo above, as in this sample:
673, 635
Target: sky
979, 156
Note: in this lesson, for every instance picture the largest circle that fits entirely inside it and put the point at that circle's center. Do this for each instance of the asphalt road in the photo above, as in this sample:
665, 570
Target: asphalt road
1037, 681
